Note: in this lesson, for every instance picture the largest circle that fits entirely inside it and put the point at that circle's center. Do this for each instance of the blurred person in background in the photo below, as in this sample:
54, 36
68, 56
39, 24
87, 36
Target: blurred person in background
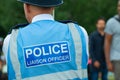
3, 66
1, 62
89, 69
112, 44
97, 51
1, 43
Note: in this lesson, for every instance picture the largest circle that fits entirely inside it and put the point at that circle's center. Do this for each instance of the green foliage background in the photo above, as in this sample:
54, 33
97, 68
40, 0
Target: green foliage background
85, 12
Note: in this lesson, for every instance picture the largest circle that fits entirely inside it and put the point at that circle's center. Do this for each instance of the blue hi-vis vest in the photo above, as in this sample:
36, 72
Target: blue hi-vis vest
47, 50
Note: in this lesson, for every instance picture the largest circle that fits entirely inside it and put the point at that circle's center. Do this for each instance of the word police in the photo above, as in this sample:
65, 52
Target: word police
41, 54
39, 51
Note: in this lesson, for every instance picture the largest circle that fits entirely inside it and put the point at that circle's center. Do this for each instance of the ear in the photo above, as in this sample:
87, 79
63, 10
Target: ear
27, 8
52, 8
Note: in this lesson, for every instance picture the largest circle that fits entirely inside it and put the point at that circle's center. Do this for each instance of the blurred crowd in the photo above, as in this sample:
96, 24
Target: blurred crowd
3, 66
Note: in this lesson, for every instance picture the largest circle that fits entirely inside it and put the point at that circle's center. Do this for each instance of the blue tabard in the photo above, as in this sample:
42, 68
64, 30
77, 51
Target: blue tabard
48, 50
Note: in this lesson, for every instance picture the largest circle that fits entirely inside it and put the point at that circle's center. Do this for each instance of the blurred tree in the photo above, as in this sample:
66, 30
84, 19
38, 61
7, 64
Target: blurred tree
11, 13
85, 12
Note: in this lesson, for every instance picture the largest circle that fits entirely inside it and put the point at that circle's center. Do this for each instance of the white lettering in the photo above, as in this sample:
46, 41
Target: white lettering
44, 53
37, 54
50, 51
37, 61
64, 48
28, 52
54, 47
47, 50
59, 58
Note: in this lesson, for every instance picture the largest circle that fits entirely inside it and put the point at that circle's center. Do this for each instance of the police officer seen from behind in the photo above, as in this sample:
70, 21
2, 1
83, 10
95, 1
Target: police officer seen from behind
46, 49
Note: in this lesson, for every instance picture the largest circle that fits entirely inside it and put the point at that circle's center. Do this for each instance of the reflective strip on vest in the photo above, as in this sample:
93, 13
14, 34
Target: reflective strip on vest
14, 54
65, 75
78, 49
77, 43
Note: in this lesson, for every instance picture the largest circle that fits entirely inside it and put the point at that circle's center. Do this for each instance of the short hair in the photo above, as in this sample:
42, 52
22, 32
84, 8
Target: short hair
45, 7
101, 18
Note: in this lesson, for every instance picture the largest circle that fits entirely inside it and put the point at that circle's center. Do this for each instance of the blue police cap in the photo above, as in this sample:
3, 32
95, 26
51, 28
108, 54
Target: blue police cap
43, 3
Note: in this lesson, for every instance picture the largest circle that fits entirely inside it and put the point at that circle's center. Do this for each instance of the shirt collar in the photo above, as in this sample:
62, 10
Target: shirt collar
100, 34
42, 17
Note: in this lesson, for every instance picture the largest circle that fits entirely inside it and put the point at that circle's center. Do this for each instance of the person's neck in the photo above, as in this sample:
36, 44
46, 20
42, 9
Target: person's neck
33, 15
101, 32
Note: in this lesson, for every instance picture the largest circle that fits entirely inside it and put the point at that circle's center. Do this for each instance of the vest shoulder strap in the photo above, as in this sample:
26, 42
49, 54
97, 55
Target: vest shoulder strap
25, 24
67, 21
17, 27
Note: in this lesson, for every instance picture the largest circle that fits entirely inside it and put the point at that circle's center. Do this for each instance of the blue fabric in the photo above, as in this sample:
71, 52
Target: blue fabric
95, 74
97, 47
11, 72
41, 29
84, 50
97, 50
47, 31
